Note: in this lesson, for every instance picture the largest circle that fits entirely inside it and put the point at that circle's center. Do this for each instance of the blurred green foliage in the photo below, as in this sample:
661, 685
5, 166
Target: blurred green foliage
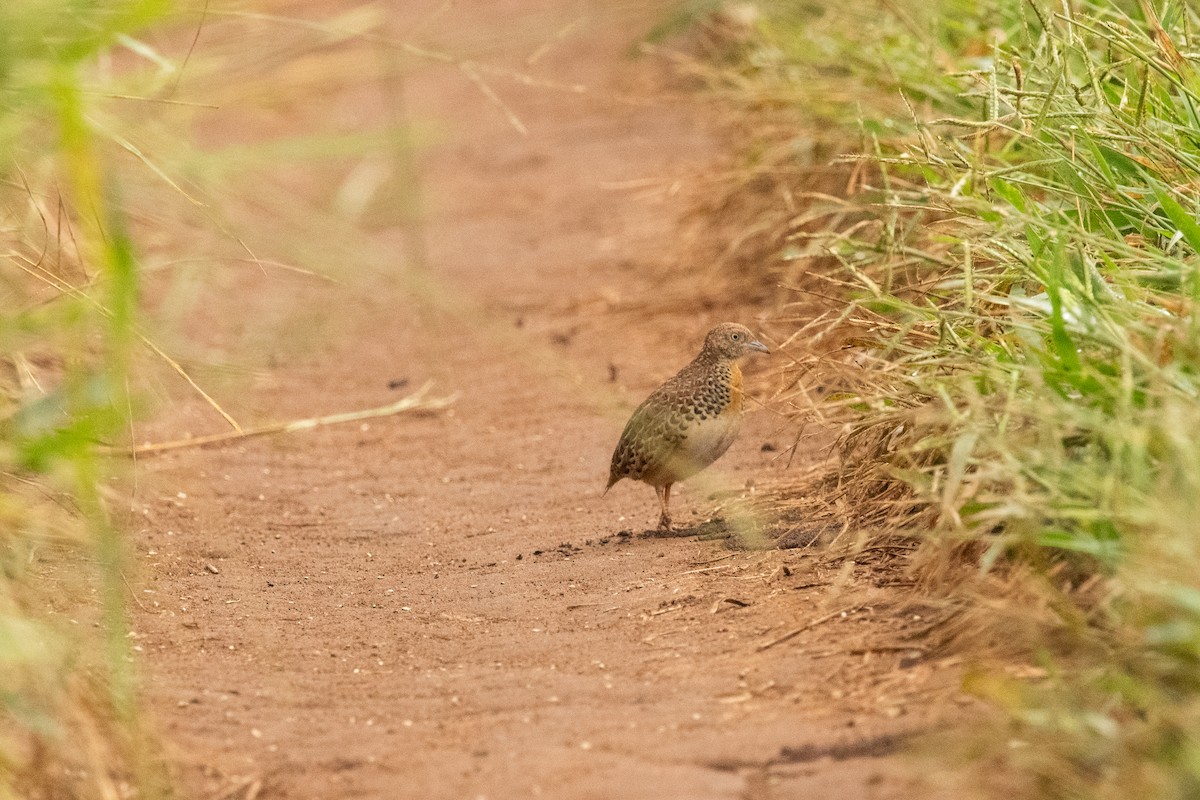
69, 719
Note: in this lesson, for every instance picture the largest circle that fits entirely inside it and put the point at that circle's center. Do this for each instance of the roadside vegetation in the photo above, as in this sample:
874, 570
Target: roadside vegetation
1013, 239
70, 721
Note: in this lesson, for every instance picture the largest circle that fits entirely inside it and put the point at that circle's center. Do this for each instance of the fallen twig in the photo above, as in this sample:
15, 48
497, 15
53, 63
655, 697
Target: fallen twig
674, 607
792, 634
413, 402
707, 569
715, 560
887, 648
733, 601
898, 547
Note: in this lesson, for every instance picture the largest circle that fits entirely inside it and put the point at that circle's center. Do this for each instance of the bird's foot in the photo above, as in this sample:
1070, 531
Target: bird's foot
664, 522
669, 531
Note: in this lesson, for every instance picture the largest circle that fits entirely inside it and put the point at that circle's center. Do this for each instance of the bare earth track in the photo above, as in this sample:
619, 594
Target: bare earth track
441, 605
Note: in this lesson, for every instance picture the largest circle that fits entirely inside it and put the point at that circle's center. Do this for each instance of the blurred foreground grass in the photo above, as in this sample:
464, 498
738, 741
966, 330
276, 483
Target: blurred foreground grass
1016, 360
70, 724
118, 131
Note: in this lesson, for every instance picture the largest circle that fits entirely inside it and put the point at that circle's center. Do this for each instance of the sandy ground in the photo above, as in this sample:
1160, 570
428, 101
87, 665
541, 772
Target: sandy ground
442, 604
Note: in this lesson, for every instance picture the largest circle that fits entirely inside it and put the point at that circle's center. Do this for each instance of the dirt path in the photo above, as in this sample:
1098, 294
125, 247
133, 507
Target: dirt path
442, 605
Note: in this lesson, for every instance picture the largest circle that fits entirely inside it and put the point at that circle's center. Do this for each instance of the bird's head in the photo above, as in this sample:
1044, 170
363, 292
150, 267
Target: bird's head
732, 341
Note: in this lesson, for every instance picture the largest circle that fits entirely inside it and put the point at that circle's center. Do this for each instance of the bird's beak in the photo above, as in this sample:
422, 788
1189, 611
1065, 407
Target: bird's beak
757, 345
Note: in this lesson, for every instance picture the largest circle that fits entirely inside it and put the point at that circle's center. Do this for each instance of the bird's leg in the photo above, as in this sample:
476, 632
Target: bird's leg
664, 497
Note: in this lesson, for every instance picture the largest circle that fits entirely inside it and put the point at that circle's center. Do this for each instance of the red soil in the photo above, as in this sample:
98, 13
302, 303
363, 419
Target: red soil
441, 604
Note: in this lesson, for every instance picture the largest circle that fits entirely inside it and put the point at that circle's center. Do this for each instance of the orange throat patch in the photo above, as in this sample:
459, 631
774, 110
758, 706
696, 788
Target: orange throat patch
737, 397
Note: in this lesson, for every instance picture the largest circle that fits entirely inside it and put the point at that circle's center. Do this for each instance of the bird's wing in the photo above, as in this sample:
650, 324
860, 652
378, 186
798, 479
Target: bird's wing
651, 439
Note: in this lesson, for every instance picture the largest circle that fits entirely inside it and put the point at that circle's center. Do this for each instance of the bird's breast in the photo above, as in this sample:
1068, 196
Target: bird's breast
737, 396
710, 436
707, 440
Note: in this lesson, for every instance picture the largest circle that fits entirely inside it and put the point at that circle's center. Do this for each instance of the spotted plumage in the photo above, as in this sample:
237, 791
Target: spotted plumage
689, 421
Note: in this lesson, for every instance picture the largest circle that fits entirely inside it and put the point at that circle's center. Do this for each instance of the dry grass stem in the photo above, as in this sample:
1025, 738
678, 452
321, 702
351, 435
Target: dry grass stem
417, 401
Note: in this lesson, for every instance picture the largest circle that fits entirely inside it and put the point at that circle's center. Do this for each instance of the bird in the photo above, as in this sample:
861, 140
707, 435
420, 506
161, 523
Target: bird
688, 422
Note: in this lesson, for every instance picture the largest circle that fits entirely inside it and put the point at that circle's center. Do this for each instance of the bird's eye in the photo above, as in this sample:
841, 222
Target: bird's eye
736, 336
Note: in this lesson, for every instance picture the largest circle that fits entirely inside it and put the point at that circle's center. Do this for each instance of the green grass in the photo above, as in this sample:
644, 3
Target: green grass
1020, 346
70, 724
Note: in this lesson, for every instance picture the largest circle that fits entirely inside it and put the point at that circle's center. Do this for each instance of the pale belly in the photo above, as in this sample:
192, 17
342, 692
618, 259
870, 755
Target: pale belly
707, 442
